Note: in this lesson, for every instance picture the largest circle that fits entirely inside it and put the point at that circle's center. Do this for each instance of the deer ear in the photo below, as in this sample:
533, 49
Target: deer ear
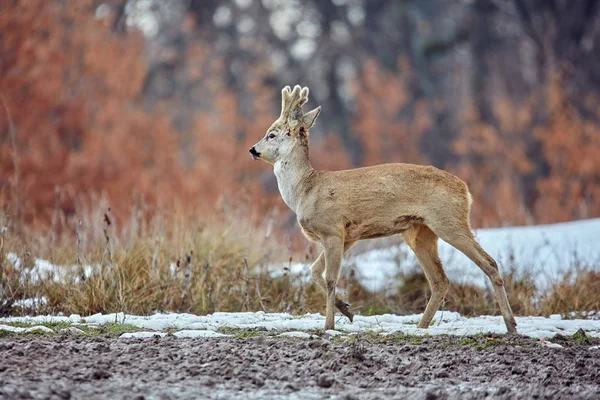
310, 117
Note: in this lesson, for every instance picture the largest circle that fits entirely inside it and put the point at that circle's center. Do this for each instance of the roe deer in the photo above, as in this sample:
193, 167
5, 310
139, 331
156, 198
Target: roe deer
338, 208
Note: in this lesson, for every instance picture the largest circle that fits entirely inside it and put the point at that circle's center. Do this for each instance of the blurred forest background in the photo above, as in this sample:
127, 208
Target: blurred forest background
154, 103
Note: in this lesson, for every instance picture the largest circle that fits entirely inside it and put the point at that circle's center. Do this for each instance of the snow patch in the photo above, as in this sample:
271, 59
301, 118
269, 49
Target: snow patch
15, 329
142, 335
72, 330
551, 345
296, 334
33, 302
193, 333
43, 270
43, 319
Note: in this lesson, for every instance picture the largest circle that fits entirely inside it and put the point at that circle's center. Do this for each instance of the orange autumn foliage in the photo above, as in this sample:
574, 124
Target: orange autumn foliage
76, 125
70, 87
570, 144
73, 90
387, 124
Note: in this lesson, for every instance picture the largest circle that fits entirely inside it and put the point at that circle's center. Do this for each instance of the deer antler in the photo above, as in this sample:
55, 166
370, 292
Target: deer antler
291, 104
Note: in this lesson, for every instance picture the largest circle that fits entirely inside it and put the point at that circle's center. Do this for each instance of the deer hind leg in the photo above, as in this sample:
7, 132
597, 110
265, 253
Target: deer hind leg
424, 242
317, 270
463, 240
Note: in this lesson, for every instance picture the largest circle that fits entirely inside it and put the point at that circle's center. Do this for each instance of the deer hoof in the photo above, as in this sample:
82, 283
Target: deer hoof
344, 309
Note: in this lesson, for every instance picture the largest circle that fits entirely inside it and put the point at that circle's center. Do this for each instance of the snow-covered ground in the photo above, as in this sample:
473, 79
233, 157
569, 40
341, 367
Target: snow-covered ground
188, 325
43, 270
545, 252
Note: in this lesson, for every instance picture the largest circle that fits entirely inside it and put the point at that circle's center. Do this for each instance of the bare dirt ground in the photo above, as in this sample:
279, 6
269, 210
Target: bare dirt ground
264, 367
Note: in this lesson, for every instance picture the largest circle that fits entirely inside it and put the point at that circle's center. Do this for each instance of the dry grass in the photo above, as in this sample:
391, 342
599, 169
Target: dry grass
577, 294
185, 266
172, 263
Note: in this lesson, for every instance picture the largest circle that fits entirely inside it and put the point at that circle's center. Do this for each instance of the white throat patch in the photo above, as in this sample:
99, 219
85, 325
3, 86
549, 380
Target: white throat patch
287, 180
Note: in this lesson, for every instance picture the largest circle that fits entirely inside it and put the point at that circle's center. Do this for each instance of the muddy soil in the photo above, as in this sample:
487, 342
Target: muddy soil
263, 367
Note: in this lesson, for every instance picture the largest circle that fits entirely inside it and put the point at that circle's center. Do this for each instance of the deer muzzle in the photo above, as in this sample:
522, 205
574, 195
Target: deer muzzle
255, 154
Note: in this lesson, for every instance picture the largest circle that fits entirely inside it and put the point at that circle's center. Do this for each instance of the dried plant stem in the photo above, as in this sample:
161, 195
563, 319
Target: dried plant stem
79, 250
107, 224
258, 294
246, 305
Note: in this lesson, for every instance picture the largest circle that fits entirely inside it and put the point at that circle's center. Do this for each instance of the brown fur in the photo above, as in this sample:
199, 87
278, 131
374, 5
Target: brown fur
338, 208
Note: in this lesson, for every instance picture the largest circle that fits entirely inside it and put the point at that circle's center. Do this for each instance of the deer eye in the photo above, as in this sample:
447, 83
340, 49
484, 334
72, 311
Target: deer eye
271, 136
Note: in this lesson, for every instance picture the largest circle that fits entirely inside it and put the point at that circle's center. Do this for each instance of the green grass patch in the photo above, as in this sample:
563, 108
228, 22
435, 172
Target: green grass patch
36, 332
375, 337
405, 339
581, 338
112, 329
481, 341
55, 326
243, 333
488, 343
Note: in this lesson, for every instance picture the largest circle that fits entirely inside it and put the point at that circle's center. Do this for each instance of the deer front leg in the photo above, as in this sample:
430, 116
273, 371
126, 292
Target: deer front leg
317, 270
333, 249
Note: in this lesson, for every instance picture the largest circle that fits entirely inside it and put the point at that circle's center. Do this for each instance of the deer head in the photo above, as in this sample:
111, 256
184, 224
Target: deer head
290, 130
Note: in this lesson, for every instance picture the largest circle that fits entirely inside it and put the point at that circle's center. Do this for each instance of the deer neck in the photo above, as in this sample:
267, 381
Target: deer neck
293, 173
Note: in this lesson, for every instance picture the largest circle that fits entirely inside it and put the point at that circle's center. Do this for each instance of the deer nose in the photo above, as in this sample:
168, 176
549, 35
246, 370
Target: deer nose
255, 154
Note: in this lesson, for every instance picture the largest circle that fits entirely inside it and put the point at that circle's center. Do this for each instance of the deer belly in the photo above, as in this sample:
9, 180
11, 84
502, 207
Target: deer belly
375, 228
369, 230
